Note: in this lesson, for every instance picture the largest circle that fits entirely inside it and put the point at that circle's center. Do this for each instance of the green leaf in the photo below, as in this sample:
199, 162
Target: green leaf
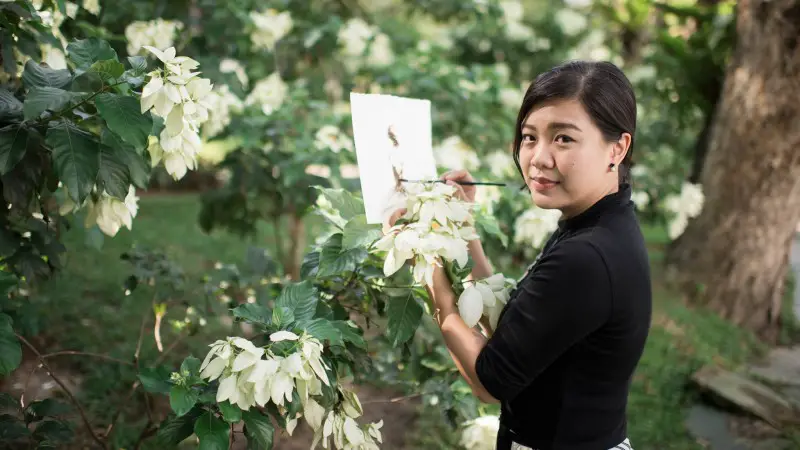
8, 281
322, 329
36, 75
231, 413
86, 52
212, 432
10, 106
112, 171
310, 265
138, 64
488, 224
358, 233
404, 316
8, 402
53, 434
48, 407
155, 379
94, 238
175, 430
76, 156
41, 99
343, 201
350, 333
301, 298
137, 168
334, 261
253, 312
10, 350
182, 399
12, 428
108, 70
13, 145
190, 366
258, 428
122, 115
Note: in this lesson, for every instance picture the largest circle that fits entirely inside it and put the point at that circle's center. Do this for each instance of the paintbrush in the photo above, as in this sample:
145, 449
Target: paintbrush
463, 183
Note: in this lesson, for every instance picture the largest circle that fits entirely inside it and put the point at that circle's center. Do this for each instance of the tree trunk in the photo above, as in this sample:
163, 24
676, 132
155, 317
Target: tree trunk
297, 230
734, 256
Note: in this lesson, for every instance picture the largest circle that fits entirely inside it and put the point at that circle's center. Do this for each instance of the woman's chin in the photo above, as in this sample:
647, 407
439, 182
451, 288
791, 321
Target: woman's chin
544, 200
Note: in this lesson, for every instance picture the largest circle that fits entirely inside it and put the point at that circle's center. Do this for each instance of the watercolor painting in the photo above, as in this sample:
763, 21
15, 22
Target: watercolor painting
393, 141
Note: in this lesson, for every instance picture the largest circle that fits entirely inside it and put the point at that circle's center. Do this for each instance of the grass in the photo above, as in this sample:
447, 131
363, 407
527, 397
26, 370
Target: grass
85, 308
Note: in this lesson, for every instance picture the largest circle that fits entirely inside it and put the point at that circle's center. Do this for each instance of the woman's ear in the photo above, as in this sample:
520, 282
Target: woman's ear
620, 147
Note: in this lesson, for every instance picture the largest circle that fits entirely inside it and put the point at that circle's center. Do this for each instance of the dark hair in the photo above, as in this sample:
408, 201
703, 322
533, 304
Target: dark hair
600, 87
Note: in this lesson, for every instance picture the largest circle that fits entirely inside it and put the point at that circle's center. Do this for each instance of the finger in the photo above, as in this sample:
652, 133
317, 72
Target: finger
459, 190
456, 175
393, 218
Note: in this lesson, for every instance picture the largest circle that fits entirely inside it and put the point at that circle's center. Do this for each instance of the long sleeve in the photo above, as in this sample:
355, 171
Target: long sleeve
565, 298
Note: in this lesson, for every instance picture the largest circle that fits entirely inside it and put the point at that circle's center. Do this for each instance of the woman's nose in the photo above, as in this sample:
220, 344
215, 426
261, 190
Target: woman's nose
541, 157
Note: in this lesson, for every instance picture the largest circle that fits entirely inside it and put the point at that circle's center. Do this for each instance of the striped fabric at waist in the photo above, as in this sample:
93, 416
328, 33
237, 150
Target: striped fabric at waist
624, 445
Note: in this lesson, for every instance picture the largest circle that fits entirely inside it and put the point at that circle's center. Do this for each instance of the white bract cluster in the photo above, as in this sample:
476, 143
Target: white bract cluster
439, 227
533, 226
268, 93
250, 375
340, 425
330, 137
683, 207
485, 297
480, 433
362, 42
109, 213
512, 14
158, 33
222, 102
270, 27
178, 95
455, 154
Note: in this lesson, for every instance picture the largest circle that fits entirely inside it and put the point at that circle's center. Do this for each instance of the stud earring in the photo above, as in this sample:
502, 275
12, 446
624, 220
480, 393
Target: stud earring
612, 167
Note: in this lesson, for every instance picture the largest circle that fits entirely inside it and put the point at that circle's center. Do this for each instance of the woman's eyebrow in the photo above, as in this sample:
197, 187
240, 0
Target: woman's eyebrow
554, 126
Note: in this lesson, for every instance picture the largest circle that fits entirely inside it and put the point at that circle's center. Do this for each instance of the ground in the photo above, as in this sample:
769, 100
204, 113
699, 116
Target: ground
86, 308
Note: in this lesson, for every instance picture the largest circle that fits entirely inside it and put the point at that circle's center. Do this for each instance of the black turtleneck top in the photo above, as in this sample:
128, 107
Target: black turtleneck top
567, 343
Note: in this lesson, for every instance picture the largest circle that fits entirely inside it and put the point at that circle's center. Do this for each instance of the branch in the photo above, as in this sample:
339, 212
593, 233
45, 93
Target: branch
136, 385
59, 113
93, 355
66, 391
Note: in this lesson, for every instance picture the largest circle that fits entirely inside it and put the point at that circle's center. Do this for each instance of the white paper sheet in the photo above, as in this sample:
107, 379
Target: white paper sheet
379, 158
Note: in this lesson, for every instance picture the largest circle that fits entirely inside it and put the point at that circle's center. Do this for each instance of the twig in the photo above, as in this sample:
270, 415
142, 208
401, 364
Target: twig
59, 113
66, 391
396, 399
27, 382
157, 331
136, 385
93, 355
230, 437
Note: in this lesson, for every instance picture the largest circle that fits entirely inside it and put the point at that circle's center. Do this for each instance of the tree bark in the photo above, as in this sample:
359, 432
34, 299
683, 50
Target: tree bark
297, 245
733, 257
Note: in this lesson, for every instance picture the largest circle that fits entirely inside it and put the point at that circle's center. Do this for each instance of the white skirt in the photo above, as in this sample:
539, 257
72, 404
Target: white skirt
624, 445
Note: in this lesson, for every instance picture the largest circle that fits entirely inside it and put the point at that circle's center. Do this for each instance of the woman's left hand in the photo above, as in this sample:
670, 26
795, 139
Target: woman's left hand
442, 289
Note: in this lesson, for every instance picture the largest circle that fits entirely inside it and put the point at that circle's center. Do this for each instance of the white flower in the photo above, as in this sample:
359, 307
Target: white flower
470, 306
93, 6
640, 199
157, 33
270, 27
534, 226
454, 154
111, 213
283, 336
480, 433
330, 137
221, 103
571, 22
683, 207
364, 43
228, 65
440, 226
354, 36
268, 93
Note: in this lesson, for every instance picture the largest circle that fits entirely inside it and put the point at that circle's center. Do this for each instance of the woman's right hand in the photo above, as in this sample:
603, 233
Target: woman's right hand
464, 192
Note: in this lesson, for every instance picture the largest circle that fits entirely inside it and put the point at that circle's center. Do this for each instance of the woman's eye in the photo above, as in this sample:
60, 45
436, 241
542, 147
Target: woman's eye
564, 139
528, 138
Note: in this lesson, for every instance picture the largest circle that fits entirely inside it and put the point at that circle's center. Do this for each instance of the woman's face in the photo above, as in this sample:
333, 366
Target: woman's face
565, 157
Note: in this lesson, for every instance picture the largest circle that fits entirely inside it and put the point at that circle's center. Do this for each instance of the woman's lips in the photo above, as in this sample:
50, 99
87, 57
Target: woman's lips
542, 184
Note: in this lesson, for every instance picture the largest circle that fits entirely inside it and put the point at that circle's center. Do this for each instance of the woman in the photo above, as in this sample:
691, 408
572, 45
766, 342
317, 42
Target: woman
562, 357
